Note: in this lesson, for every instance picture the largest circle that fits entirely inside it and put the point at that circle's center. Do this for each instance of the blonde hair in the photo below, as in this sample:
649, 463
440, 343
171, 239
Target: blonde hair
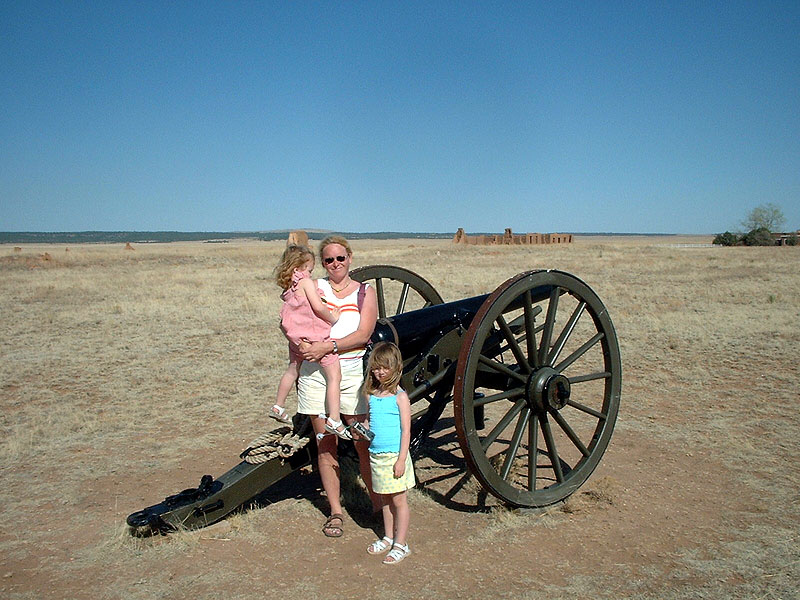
384, 355
335, 239
294, 257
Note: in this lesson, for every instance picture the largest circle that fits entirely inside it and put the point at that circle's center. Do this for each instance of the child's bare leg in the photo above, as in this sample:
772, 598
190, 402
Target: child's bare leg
287, 382
400, 515
333, 383
388, 518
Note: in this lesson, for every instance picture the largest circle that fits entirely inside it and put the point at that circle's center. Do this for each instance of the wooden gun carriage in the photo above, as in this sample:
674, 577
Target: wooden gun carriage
533, 370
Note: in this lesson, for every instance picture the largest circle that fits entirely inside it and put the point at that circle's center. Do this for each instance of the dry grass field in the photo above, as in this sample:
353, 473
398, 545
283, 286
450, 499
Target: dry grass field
128, 374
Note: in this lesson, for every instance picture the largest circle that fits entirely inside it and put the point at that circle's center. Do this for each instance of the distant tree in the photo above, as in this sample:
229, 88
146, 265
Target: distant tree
792, 240
726, 239
758, 237
765, 216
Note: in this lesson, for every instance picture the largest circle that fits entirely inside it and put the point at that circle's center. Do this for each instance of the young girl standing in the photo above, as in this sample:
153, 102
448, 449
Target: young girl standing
305, 317
390, 461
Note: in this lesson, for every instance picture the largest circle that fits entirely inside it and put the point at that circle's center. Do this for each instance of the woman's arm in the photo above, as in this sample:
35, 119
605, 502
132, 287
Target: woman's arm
404, 405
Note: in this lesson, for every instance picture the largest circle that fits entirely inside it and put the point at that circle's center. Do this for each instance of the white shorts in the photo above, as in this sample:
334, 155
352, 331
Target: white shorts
311, 389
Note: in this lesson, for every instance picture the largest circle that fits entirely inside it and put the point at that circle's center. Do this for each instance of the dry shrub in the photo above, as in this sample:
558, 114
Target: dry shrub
597, 494
503, 522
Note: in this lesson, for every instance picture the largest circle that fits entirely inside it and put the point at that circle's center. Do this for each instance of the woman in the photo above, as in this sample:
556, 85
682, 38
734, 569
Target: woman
349, 336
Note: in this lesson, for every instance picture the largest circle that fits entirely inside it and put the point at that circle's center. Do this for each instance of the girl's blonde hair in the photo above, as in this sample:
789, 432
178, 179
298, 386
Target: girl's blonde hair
335, 239
386, 355
294, 257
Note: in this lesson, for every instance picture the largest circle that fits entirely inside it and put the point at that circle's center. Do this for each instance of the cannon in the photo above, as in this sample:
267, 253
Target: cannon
533, 371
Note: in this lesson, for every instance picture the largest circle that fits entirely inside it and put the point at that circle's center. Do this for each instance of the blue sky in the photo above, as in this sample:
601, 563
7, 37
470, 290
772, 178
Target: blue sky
628, 117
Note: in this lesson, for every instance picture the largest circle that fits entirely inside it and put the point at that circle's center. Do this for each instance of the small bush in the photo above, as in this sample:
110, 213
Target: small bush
792, 240
726, 239
758, 237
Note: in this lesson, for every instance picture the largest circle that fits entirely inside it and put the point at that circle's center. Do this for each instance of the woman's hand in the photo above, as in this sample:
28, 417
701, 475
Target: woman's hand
399, 468
314, 351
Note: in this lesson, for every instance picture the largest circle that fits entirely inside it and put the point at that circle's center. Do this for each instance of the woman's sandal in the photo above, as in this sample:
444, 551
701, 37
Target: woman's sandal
279, 413
338, 428
332, 530
396, 554
380, 546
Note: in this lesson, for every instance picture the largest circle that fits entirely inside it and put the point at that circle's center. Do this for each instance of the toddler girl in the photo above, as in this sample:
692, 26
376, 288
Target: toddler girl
305, 317
389, 459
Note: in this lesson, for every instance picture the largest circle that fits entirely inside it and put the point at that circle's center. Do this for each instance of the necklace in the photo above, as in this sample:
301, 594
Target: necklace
341, 289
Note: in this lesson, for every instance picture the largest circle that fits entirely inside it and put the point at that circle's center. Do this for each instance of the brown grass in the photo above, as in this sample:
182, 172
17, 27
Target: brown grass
125, 376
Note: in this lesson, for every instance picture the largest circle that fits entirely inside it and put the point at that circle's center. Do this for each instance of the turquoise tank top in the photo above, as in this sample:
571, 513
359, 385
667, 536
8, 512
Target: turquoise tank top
384, 421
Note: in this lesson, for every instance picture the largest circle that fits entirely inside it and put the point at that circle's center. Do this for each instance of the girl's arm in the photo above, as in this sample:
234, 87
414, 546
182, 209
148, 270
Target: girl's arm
404, 405
357, 339
317, 305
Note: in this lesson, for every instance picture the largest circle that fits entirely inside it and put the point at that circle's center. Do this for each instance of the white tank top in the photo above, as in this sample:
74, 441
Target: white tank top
349, 318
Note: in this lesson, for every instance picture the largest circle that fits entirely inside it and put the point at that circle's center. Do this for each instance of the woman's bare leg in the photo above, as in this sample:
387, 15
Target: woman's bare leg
328, 464
362, 449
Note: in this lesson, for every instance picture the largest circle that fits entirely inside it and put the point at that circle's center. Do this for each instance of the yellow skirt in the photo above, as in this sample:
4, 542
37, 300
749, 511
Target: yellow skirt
383, 479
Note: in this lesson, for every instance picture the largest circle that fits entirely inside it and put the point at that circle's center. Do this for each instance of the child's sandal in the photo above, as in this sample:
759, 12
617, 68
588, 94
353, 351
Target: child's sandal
279, 413
380, 546
338, 428
396, 554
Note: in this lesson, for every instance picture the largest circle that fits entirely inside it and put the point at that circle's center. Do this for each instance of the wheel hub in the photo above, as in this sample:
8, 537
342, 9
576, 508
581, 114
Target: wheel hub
547, 389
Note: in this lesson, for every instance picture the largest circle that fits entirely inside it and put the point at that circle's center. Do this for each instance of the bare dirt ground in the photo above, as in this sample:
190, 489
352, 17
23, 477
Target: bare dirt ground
127, 375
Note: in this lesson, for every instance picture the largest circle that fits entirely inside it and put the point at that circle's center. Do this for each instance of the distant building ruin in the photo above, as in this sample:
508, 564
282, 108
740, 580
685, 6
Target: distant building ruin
511, 239
297, 238
786, 239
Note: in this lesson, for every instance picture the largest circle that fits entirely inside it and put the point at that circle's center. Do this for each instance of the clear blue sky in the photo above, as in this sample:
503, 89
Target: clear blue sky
644, 117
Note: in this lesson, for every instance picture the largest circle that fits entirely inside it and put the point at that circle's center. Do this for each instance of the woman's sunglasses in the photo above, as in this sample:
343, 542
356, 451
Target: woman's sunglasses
330, 259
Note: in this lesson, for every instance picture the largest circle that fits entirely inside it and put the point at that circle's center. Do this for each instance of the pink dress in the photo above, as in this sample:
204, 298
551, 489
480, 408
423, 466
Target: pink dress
298, 321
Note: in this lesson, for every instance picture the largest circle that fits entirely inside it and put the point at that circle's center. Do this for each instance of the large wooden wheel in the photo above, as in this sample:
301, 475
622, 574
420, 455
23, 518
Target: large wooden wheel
541, 362
399, 290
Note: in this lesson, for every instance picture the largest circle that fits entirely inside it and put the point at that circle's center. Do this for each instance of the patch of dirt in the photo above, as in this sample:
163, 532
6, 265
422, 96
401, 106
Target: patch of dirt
642, 510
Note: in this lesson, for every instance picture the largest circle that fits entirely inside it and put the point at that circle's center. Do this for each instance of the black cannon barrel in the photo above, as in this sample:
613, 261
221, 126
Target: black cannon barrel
414, 330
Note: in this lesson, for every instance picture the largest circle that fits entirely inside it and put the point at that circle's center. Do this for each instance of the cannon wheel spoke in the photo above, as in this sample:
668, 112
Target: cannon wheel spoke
503, 423
530, 327
533, 443
396, 286
549, 324
513, 448
539, 447
552, 451
513, 345
565, 333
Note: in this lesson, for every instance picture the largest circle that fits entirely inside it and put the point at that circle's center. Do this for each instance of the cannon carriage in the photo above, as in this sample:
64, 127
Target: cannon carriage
533, 372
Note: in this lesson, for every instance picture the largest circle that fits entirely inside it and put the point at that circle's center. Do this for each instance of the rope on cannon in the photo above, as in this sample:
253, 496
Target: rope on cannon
279, 443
